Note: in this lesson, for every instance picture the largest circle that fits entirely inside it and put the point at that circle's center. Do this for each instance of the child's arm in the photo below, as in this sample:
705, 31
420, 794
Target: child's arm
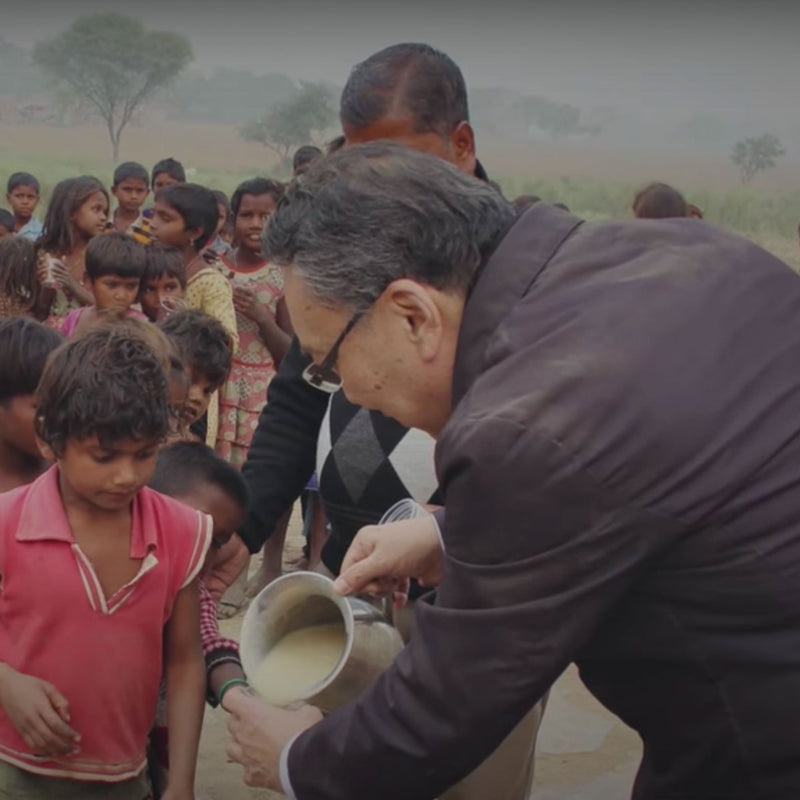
186, 683
39, 712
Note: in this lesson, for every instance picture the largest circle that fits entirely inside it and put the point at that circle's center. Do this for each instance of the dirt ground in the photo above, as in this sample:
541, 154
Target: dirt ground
584, 753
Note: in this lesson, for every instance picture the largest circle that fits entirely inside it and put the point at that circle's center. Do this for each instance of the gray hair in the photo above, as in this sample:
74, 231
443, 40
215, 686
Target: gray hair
371, 214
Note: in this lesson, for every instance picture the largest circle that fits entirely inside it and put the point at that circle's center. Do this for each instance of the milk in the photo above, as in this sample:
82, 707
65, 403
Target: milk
297, 661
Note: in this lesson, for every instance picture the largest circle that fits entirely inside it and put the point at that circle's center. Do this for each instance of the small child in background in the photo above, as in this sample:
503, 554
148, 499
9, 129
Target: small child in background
77, 212
115, 265
6, 224
167, 172
24, 348
262, 319
196, 476
163, 283
219, 246
19, 286
204, 347
22, 193
100, 595
131, 187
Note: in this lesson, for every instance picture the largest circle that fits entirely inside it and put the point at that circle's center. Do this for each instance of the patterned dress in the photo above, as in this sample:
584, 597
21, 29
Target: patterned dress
210, 291
245, 393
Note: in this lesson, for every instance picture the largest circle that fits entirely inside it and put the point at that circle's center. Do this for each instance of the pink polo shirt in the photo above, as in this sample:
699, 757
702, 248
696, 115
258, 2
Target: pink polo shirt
103, 654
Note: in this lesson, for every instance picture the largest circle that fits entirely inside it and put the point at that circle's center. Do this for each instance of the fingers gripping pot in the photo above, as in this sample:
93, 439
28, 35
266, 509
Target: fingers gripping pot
301, 600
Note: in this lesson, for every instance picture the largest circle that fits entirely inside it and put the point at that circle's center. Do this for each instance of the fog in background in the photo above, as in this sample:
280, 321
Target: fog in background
675, 74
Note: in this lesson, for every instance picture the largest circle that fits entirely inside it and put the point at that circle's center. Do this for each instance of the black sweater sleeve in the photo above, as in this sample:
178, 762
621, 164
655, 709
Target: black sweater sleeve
283, 451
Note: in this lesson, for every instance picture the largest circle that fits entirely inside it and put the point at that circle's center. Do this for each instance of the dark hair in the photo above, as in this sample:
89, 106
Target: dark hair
374, 213
18, 269
115, 254
414, 77
106, 383
197, 205
202, 343
659, 201
305, 155
170, 167
25, 345
22, 179
162, 260
184, 466
222, 200
131, 170
256, 187
68, 196
7, 219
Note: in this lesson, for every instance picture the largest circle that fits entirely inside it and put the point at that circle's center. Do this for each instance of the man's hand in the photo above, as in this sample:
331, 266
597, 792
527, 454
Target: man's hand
39, 712
224, 566
382, 558
260, 732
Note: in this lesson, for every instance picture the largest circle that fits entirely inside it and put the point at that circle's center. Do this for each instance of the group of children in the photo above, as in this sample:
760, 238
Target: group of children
136, 348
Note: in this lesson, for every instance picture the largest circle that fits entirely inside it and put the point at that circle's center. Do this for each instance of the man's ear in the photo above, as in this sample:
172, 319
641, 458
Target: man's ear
422, 316
462, 145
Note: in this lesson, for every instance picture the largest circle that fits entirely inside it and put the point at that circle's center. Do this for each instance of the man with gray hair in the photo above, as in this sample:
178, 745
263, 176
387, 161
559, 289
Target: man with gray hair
617, 414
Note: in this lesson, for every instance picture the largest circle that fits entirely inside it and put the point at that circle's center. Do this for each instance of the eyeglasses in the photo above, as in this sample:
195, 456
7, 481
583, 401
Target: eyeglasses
324, 376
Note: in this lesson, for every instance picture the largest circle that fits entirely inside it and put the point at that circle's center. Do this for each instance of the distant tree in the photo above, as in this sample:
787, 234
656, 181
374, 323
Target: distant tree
756, 154
559, 120
293, 122
114, 64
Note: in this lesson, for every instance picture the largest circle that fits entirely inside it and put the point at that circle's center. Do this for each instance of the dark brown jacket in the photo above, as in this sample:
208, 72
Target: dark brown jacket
622, 479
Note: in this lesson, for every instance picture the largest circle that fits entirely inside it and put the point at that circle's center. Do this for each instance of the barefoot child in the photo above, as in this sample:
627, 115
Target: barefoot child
130, 189
194, 474
78, 211
204, 348
261, 319
99, 597
114, 267
22, 194
24, 347
164, 282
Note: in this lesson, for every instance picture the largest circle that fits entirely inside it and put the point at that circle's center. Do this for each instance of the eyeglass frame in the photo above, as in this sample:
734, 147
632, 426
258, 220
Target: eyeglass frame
323, 376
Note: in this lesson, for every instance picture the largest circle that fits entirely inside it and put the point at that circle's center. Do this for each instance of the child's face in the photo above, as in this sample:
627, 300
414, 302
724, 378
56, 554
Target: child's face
115, 293
23, 201
16, 425
251, 220
104, 478
198, 396
131, 194
169, 227
220, 506
156, 292
162, 180
90, 219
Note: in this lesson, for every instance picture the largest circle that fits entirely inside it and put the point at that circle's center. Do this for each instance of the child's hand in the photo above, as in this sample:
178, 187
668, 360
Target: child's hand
246, 303
40, 714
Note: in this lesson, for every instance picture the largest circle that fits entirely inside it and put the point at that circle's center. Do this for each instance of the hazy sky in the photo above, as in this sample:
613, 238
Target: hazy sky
719, 55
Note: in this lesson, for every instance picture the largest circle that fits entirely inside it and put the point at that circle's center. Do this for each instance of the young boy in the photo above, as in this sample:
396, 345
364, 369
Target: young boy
24, 347
167, 172
163, 283
204, 347
6, 223
115, 265
131, 187
22, 193
99, 587
194, 474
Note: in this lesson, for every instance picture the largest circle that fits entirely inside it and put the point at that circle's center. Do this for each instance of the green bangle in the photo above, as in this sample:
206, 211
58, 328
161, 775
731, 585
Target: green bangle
227, 685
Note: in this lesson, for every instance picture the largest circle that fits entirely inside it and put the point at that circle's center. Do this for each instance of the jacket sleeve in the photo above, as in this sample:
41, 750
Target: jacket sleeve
282, 455
536, 553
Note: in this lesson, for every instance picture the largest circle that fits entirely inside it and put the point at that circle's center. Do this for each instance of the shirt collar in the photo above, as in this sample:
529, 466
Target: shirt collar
43, 517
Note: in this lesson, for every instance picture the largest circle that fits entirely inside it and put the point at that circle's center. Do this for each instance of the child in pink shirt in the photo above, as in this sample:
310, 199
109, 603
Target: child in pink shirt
115, 265
98, 587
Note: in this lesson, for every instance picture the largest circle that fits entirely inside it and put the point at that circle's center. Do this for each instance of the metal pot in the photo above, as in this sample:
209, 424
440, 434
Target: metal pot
302, 599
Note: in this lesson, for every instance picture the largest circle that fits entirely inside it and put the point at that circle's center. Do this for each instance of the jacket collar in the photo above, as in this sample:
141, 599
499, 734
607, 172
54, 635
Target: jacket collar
503, 279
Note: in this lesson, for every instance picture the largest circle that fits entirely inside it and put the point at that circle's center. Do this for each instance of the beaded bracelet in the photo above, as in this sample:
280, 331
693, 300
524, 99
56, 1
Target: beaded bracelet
228, 684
